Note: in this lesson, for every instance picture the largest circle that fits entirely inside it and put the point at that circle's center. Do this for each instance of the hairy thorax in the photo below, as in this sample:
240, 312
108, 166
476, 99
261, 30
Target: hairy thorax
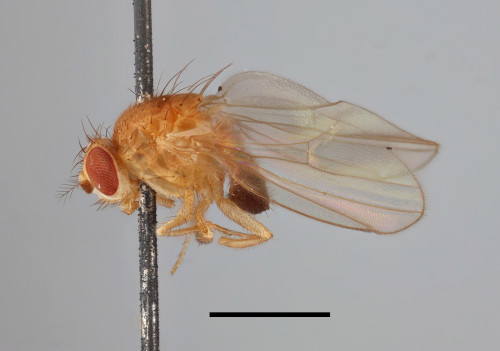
167, 141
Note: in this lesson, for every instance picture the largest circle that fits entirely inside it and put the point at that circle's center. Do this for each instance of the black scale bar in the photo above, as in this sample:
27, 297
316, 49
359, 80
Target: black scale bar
269, 314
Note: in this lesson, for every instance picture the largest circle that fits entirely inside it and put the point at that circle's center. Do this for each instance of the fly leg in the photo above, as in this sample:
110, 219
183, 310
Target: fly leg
185, 214
163, 201
181, 255
259, 233
204, 234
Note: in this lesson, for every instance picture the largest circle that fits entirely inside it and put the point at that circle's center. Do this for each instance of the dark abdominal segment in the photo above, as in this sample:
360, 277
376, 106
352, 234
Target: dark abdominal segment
253, 202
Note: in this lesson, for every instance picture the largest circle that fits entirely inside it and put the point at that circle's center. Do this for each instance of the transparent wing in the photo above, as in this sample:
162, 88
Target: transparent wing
335, 162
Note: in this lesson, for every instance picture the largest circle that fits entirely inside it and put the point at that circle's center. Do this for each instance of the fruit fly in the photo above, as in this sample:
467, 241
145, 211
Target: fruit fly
260, 140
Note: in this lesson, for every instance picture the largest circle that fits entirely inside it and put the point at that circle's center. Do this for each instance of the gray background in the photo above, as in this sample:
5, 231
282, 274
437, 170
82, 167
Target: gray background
69, 275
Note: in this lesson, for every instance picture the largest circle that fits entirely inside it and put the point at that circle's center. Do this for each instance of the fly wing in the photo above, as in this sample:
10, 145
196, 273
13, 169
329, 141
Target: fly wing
334, 162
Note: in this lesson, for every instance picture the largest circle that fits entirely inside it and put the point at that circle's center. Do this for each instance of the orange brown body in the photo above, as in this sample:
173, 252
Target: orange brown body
271, 140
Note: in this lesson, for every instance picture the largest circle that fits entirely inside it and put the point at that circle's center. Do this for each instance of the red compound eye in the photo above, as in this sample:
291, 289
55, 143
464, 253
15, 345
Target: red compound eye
101, 171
